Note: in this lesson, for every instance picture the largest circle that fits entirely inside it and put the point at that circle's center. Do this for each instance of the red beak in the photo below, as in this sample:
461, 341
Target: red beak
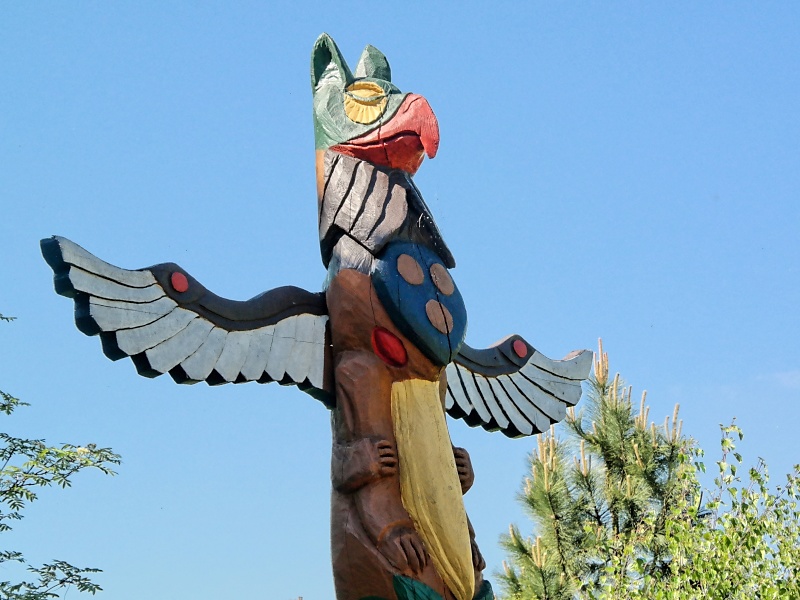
403, 141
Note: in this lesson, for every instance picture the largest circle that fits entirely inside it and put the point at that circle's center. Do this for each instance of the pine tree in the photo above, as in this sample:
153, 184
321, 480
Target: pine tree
619, 513
589, 494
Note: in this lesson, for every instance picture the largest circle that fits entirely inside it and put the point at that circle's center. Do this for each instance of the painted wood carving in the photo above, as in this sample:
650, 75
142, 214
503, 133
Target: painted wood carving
382, 346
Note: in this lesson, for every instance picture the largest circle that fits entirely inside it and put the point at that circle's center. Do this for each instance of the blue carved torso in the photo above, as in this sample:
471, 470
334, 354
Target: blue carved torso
421, 298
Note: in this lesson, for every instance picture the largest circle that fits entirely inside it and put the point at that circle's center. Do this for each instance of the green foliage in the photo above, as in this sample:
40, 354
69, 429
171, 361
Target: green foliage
618, 512
25, 466
743, 543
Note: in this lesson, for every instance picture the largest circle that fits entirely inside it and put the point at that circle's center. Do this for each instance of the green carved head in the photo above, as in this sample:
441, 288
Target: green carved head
364, 115
347, 105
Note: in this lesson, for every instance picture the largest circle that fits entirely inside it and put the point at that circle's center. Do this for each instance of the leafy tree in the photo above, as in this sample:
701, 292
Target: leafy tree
618, 513
25, 466
743, 543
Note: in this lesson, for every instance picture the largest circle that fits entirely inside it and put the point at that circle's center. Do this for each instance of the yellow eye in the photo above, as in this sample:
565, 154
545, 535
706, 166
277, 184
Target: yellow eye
364, 102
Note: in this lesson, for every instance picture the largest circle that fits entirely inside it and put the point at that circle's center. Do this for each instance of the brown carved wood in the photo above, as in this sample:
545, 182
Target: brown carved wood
371, 532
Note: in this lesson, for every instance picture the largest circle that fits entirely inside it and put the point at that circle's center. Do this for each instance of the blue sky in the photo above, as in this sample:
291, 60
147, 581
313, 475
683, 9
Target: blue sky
620, 170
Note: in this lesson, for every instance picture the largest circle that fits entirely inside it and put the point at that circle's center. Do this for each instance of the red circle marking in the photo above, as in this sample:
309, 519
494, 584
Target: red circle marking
389, 347
179, 282
520, 349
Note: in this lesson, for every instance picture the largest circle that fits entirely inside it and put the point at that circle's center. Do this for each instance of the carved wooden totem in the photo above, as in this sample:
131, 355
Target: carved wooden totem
382, 346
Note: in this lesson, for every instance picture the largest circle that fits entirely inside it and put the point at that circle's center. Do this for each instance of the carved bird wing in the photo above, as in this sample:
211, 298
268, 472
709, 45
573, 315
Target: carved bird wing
513, 387
167, 322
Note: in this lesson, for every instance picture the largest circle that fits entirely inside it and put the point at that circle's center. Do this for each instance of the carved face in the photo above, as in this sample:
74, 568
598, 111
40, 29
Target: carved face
365, 115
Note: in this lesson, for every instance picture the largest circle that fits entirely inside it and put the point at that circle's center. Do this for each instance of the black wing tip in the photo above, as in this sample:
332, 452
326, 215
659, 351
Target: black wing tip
475, 421
143, 367
53, 256
180, 376
63, 284
514, 433
472, 418
111, 349
51, 251
214, 378
83, 315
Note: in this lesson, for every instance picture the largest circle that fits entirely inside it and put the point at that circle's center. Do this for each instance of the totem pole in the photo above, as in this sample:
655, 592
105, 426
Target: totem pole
382, 346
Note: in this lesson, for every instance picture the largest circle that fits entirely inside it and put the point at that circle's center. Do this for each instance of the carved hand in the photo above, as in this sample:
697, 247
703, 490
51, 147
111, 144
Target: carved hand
359, 463
384, 458
404, 549
464, 467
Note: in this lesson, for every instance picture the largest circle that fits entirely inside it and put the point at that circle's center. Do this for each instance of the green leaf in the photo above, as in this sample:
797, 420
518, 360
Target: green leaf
486, 592
411, 589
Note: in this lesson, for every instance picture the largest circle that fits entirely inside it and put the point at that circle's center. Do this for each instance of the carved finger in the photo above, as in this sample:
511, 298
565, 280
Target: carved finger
388, 470
412, 558
415, 553
420, 548
389, 461
386, 452
396, 555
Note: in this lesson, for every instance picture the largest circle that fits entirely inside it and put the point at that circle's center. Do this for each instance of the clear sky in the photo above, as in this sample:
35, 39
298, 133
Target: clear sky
621, 170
